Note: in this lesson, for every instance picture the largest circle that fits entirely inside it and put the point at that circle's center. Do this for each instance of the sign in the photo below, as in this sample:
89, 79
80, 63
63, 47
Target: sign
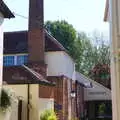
97, 93
17, 76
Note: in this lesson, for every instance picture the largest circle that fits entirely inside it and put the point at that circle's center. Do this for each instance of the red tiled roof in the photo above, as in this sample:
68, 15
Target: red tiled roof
23, 75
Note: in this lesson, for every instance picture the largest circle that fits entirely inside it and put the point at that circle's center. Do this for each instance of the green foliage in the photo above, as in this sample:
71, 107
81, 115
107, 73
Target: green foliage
63, 32
101, 109
5, 100
48, 115
86, 51
89, 53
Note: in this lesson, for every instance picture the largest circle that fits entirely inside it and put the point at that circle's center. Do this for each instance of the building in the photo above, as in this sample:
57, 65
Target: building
89, 96
4, 13
87, 91
31, 67
112, 14
55, 56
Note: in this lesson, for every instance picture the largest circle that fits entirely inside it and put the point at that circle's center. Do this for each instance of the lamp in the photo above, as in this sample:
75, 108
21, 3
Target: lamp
73, 94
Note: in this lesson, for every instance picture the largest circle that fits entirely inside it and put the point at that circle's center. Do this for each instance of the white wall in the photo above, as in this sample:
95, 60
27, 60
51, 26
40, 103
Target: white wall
1, 47
59, 63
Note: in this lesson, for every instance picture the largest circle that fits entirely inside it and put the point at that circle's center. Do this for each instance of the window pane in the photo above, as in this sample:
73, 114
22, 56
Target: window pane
8, 60
22, 59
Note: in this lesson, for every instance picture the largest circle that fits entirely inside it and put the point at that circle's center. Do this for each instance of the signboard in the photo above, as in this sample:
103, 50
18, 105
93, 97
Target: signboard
17, 76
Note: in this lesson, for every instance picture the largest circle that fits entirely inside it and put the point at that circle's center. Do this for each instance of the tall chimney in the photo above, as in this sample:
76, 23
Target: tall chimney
36, 31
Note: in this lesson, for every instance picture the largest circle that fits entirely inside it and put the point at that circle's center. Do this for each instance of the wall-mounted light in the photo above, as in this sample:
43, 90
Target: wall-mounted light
73, 94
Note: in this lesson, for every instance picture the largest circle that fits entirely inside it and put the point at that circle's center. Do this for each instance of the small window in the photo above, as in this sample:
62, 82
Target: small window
8, 60
22, 59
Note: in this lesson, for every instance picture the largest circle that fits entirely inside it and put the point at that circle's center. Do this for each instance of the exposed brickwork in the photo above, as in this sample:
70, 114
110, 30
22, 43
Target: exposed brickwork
39, 67
79, 100
36, 38
58, 95
36, 45
46, 91
36, 14
61, 95
65, 98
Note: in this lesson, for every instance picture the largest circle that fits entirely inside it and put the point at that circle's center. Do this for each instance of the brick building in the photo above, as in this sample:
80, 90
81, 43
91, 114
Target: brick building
16, 57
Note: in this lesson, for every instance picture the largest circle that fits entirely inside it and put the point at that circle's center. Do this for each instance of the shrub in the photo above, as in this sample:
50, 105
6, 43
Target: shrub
5, 100
48, 115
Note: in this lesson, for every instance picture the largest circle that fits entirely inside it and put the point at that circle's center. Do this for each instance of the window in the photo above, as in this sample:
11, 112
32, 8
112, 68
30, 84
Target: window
8, 60
15, 60
22, 59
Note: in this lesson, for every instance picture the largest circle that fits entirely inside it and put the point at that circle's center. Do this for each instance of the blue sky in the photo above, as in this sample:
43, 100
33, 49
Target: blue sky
84, 15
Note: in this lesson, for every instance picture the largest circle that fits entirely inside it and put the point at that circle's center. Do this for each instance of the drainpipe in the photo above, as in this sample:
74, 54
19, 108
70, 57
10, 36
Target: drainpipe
114, 7
28, 102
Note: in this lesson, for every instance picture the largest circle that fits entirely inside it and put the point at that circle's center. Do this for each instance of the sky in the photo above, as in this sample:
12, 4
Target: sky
84, 15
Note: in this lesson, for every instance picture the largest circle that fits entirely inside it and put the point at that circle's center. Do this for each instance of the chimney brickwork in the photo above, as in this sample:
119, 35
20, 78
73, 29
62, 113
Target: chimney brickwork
36, 38
36, 42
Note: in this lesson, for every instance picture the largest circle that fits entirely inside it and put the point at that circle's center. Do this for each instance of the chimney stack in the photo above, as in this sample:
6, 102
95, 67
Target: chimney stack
36, 31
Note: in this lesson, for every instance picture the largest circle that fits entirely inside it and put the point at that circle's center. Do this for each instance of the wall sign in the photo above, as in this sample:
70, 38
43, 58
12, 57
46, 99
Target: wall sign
97, 93
17, 76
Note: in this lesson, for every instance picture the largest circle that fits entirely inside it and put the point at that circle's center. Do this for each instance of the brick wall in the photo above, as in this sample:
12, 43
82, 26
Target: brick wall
62, 96
79, 100
46, 91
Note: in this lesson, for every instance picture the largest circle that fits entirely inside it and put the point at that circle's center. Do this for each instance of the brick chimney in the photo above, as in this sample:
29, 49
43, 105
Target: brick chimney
36, 42
36, 31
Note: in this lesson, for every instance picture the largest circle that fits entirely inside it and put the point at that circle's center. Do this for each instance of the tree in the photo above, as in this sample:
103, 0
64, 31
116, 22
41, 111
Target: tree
63, 32
86, 51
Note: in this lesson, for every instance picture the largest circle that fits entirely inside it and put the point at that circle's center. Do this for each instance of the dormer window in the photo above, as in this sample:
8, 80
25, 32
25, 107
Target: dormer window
15, 60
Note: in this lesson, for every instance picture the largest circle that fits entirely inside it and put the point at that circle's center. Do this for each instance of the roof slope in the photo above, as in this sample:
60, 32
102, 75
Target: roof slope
16, 42
82, 78
5, 10
96, 92
23, 75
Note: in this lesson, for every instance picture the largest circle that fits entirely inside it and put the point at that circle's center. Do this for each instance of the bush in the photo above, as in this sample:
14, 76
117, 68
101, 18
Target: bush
5, 100
48, 115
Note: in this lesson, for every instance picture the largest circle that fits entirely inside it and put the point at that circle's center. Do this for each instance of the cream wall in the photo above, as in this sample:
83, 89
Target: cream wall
1, 47
59, 63
34, 102
36, 106
20, 91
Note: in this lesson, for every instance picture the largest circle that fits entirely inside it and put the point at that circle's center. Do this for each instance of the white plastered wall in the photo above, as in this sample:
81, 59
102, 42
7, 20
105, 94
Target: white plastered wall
59, 63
